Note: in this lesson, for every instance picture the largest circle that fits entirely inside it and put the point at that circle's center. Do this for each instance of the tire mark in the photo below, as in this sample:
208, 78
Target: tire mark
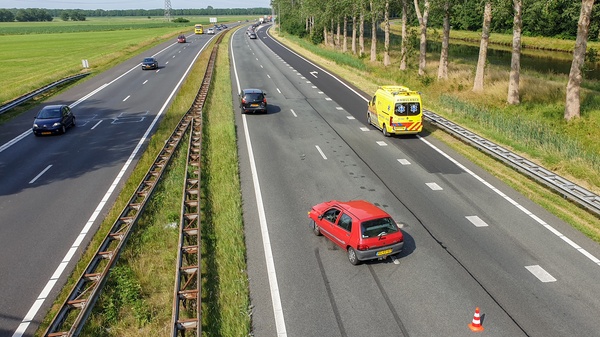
389, 303
336, 312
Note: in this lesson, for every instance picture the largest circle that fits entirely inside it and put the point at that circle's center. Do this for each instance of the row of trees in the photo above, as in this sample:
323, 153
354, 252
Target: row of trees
324, 19
36, 14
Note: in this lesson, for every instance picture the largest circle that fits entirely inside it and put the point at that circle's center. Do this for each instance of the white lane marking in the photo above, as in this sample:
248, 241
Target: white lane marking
381, 143
20, 331
475, 220
339, 108
404, 161
279, 91
308, 82
293, 113
364, 128
350, 117
261, 66
321, 152
269, 76
173, 56
15, 140
314, 87
327, 99
513, 202
40, 174
126, 98
302, 78
538, 220
100, 121
320, 93
264, 228
146, 81
434, 186
540, 273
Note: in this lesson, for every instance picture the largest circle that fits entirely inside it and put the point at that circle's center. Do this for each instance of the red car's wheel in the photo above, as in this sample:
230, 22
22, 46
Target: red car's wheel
315, 228
352, 256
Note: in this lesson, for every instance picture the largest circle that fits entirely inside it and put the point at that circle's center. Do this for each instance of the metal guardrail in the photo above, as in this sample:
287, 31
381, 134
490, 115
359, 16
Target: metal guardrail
563, 186
20, 100
187, 299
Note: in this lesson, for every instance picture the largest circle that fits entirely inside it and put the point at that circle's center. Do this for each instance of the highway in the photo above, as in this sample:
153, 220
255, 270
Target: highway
470, 240
55, 191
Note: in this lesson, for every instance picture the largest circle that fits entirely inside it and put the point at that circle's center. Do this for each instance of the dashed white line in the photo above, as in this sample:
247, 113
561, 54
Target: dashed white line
475, 220
339, 108
261, 66
381, 143
540, 273
364, 128
100, 121
40, 174
279, 91
350, 117
269, 76
293, 113
314, 87
327, 99
146, 81
434, 186
126, 98
320, 93
404, 161
321, 152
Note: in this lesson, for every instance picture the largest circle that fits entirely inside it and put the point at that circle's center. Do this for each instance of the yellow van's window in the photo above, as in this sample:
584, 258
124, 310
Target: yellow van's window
407, 109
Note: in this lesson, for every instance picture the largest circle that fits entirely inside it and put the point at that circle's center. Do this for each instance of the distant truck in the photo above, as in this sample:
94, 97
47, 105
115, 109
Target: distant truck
261, 20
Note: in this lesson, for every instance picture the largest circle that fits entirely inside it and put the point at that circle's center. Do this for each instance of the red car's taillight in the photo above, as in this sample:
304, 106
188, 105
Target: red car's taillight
362, 247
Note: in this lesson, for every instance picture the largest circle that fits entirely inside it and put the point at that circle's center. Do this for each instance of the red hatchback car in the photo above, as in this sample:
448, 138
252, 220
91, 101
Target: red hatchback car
364, 230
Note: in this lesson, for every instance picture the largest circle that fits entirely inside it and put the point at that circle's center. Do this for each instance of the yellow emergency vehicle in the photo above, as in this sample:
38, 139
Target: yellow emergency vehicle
198, 29
396, 110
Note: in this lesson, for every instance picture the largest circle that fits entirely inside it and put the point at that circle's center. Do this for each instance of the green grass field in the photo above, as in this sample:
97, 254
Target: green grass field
34, 54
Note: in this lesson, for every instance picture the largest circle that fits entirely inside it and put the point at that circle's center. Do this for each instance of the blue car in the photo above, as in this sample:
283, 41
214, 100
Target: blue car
53, 119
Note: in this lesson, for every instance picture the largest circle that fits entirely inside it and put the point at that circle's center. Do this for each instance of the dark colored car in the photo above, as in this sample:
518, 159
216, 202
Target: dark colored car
253, 100
149, 63
53, 119
181, 39
364, 230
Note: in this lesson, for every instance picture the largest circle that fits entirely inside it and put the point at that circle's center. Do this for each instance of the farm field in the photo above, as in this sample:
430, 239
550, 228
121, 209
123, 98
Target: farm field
38, 53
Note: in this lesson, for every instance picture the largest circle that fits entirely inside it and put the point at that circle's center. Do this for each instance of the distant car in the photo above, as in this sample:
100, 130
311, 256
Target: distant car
252, 35
253, 100
149, 63
53, 119
181, 39
364, 230
223, 26
210, 31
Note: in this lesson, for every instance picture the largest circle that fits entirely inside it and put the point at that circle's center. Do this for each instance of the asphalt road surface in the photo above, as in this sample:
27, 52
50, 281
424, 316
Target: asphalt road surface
470, 240
55, 190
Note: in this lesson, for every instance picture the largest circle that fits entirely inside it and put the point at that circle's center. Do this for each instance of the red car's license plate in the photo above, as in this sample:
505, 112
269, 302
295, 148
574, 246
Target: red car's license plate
384, 252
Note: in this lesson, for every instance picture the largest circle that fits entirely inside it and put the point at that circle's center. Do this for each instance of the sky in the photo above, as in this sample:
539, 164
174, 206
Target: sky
132, 4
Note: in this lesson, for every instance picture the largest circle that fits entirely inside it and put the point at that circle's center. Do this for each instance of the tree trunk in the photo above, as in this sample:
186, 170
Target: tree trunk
337, 36
423, 27
373, 34
485, 38
345, 35
386, 25
325, 34
354, 34
361, 35
515, 62
443, 67
403, 49
572, 106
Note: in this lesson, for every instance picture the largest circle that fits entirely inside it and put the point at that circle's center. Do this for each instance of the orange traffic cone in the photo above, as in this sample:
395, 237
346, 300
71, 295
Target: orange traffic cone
475, 326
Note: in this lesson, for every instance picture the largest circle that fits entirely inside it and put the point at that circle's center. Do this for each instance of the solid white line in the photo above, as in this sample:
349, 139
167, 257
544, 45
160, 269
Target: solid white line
540, 273
40, 174
321, 152
510, 200
475, 220
61, 267
15, 140
100, 121
264, 228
